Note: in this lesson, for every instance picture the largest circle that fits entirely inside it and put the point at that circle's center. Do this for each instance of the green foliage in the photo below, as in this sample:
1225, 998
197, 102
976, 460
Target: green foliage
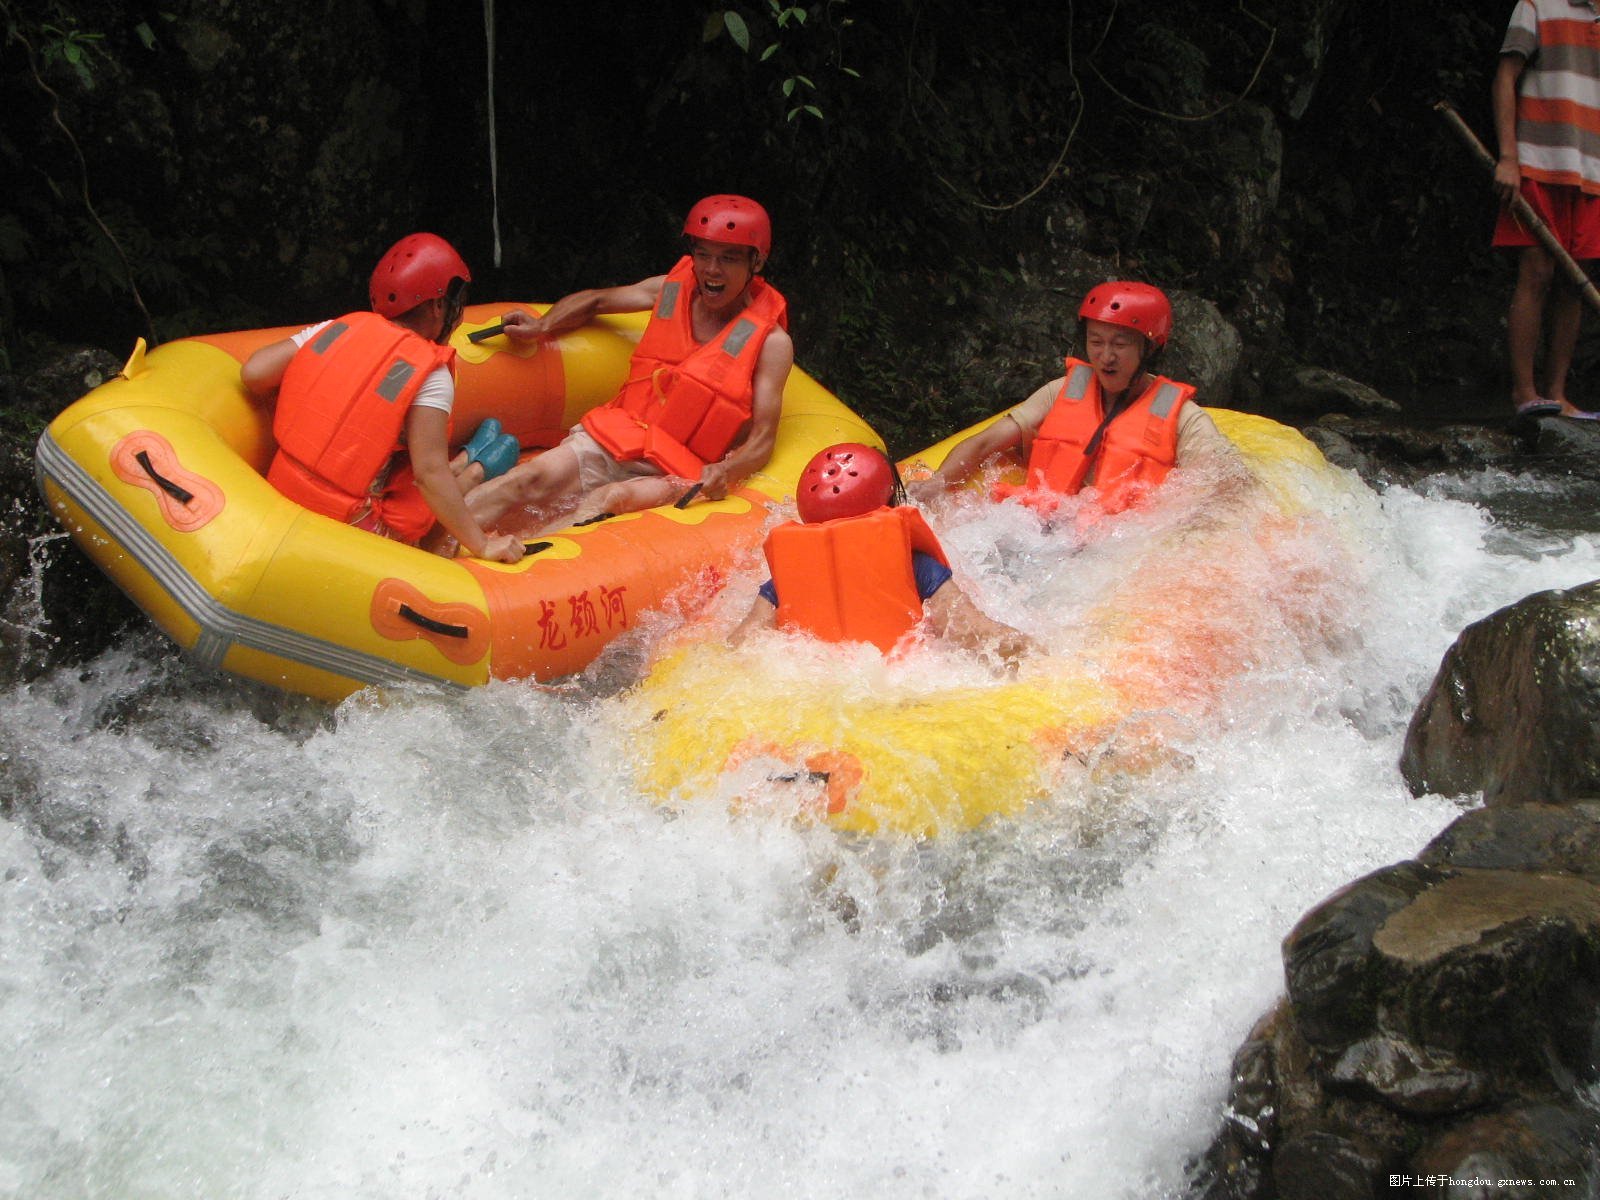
73, 47
783, 28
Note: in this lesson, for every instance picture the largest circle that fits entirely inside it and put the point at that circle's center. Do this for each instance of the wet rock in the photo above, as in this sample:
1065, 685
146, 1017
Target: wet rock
1204, 349
1515, 708
1341, 451
1411, 1078
1550, 1149
1402, 446
1523, 837
1434, 991
1561, 438
1442, 1019
1283, 1124
1315, 390
1333, 979
1325, 1166
60, 380
54, 605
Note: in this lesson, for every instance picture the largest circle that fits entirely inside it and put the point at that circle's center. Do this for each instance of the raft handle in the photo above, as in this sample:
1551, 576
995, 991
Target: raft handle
432, 626
180, 494
682, 501
534, 547
488, 331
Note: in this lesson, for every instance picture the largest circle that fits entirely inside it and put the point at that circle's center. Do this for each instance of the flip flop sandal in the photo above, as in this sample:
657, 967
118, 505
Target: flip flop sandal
482, 440
1539, 408
500, 457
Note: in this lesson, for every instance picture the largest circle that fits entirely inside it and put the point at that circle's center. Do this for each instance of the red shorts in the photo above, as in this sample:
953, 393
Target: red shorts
400, 513
1573, 216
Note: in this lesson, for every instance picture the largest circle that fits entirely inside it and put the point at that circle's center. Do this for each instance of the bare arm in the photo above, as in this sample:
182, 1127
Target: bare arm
578, 309
766, 406
1503, 94
263, 371
762, 615
427, 430
951, 613
971, 453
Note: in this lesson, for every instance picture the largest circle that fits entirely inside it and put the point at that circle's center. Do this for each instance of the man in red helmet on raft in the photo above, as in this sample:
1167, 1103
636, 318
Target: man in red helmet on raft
704, 387
1109, 422
363, 408
859, 566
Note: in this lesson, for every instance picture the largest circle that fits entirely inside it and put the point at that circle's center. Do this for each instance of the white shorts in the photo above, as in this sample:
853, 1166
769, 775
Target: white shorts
596, 467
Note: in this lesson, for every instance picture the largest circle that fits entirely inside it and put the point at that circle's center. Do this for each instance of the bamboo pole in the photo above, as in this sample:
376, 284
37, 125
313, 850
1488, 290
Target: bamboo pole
1524, 212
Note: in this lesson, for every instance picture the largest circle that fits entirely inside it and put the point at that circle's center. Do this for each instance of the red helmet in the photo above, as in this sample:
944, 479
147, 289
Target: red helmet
736, 219
846, 480
420, 266
1136, 306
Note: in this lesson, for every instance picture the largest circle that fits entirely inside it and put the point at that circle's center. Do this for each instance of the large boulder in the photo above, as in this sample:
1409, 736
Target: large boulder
1442, 1017
1435, 990
1515, 708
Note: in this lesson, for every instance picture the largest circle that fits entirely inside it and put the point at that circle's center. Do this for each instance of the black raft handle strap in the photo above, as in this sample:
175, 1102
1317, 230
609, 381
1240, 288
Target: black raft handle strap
432, 626
180, 494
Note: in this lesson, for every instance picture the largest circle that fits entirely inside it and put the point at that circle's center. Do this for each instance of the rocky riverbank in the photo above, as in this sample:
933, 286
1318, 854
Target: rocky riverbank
1442, 1015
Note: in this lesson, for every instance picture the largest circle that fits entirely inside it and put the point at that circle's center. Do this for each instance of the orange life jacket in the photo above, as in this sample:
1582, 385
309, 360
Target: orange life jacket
1135, 452
685, 402
851, 579
341, 409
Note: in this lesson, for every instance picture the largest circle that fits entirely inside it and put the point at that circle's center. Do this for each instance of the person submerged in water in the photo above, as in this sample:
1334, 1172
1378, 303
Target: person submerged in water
1110, 422
704, 387
861, 566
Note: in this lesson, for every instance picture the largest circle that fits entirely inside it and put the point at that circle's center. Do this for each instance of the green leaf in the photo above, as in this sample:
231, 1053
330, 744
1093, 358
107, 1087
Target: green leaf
769, 51
814, 111
713, 27
793, 112
146, 34
851, 71
788, 87
807, 82
737, 29
799, 14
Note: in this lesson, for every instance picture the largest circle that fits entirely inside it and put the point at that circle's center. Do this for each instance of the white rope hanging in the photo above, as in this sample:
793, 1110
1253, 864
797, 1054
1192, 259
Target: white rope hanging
494, 155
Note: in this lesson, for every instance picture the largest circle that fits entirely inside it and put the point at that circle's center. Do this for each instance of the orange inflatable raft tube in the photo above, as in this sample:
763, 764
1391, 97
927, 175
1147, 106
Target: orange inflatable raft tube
158, 475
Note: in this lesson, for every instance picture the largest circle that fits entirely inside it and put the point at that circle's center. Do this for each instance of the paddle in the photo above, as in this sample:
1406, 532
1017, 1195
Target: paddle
1569, 266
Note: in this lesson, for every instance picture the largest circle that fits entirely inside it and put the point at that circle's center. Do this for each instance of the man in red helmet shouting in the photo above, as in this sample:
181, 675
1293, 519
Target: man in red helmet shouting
704, 387
363, 406
1109, 422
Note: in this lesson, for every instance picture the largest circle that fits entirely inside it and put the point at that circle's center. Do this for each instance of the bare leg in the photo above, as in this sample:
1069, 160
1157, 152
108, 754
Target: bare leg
539, 481
630, 495
1524, 321
1566, 313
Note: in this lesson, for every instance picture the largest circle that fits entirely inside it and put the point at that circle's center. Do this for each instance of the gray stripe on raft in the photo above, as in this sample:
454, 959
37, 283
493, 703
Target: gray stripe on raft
220, 626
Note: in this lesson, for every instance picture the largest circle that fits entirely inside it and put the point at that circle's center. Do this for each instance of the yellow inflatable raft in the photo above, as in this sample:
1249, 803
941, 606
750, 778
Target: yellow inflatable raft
158, 476
872, 746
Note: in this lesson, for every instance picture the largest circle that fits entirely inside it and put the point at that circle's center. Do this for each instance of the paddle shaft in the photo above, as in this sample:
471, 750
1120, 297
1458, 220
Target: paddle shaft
1524, 213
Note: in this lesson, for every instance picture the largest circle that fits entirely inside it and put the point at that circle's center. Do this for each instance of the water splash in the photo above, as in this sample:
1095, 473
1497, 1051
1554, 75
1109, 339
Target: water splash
442, 945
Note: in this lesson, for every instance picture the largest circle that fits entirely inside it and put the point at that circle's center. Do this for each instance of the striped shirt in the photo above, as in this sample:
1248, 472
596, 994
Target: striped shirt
1558, 93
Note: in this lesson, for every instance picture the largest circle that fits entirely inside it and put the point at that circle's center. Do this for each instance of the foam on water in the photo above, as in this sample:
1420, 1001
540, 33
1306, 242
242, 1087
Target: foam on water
436, 945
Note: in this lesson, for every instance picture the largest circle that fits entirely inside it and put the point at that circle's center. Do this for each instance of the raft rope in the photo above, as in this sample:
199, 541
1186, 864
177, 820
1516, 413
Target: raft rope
494, 155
